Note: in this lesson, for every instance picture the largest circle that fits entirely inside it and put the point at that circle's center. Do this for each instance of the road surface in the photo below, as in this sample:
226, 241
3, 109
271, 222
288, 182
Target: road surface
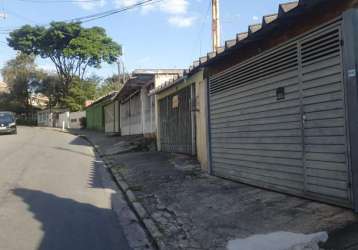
51, 197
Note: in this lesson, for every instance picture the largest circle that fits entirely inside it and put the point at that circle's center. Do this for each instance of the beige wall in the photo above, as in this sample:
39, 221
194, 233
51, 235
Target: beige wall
162, 78
201, 119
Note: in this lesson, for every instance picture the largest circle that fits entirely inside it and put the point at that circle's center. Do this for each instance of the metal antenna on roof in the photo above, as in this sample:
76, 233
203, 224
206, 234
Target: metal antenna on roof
215, 25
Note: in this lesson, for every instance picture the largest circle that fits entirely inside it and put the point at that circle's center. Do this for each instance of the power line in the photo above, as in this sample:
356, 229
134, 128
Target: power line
92, 17
199, 39
112, 12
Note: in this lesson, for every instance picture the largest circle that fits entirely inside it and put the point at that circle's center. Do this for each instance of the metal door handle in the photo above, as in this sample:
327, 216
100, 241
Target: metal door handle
304, 118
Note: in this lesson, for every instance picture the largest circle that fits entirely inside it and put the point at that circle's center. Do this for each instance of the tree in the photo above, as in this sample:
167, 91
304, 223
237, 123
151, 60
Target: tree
22, 77
79, 93
51, 86
71, 47
108, 85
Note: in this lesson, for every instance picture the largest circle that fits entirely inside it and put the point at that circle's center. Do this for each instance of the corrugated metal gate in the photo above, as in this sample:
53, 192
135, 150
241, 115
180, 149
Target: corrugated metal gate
278, 120
176, 122
109, 118
131, 115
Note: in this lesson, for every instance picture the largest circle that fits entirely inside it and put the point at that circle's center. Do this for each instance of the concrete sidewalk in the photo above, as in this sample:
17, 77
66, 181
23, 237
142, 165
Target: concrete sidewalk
187, 209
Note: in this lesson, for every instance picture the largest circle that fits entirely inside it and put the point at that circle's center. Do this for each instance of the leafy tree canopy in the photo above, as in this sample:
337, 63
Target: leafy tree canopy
23, 78
51, 86
71, 47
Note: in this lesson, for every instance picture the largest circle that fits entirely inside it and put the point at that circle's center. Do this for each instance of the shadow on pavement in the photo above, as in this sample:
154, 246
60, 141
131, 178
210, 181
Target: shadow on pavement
73, 151
79, 141
68, 224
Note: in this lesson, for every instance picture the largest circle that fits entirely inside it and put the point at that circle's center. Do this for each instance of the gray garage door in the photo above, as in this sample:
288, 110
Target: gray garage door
278, 120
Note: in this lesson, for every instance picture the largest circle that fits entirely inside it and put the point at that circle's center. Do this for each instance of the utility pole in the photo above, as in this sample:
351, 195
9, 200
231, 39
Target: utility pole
119, 72
215, 24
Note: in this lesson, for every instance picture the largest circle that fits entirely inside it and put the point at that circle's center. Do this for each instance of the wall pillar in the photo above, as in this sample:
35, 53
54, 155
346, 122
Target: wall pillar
350, 54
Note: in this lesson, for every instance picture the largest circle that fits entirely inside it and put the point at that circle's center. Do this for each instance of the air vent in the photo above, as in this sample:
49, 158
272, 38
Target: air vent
323, 45
262, 66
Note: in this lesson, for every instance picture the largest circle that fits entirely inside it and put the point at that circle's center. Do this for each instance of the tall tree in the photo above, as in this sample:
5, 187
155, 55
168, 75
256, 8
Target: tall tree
22, 77
71, 47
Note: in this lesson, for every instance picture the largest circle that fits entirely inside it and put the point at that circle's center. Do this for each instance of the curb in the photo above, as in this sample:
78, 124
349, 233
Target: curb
153, 232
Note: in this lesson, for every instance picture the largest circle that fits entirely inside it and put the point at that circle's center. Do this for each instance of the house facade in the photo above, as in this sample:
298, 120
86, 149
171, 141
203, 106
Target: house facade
71, 120
4, 88
274, 108
39, 101
282, 100
49, 117
137, 107
95, 113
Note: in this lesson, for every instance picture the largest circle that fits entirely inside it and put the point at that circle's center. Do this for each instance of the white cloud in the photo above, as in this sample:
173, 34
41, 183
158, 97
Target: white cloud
148, 8
176, 9
90, 5
174, 6
255, 18
166, 6
125, 3
181, 21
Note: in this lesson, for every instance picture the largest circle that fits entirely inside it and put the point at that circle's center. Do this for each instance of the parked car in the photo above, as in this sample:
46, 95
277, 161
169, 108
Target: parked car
7, 123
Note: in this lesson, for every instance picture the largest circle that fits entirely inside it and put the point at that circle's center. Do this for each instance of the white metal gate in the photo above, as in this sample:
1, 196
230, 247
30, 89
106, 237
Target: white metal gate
278, 120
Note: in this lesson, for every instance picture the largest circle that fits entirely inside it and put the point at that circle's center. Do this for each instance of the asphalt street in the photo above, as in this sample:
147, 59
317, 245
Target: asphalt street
51, 195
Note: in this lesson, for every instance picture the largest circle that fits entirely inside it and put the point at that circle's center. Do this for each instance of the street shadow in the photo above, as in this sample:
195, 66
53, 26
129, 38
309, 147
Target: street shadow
78, 140
71, 225
73, 151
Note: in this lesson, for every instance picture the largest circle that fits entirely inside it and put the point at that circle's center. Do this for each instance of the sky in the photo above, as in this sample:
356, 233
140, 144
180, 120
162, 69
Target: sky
166, 34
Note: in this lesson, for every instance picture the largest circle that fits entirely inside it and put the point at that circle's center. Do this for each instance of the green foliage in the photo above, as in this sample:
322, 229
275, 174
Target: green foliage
51, 86
79, 92
108, 85
71, 47
23, 79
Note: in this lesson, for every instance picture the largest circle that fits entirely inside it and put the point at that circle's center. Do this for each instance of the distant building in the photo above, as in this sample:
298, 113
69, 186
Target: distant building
49, 117
39, 101
88, 103
4, 88
138, 109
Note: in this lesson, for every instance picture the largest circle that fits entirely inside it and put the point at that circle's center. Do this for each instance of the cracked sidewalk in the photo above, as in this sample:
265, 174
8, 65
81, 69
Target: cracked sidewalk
184, 208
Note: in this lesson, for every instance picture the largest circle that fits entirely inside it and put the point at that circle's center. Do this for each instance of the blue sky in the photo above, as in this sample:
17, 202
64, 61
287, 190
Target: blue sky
169, 34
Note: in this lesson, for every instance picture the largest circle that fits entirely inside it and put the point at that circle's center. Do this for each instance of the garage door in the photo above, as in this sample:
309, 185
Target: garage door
109, 118
278, 120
